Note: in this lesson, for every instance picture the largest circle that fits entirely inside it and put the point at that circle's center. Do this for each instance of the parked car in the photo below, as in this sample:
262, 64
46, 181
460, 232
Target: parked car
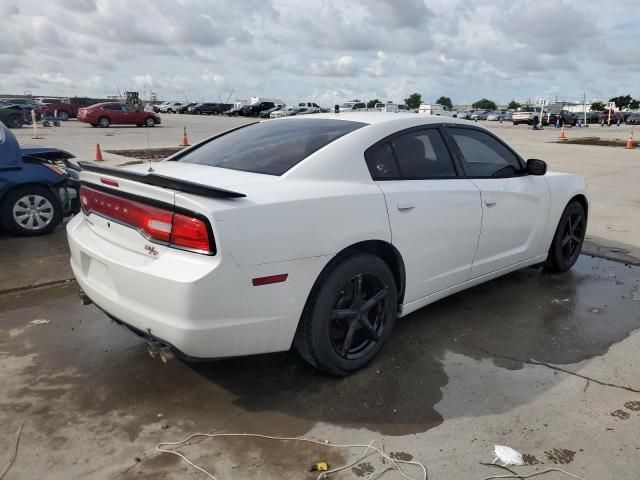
436, 109
156, 108
480, 115
255, 109
171, 107
38, 187
614, 117
69, 107
194, 235
208, 108
234, 111
267, 113
112, 113
633, 119
566, 118
185, 108
292, 111
496, 115
529, 115
349, 106
13, 116
466, 114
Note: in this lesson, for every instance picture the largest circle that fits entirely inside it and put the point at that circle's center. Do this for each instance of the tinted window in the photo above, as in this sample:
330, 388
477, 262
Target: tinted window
484, 156
271, 147
423, 154
381, 163
112, 106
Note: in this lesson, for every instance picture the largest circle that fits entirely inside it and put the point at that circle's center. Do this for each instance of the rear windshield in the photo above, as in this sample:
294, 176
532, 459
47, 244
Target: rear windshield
271, 147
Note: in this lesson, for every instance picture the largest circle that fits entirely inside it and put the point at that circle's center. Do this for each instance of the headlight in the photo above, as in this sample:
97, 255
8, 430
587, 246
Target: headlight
59, 170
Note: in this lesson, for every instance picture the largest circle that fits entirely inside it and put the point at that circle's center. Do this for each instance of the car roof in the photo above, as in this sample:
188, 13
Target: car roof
376, 117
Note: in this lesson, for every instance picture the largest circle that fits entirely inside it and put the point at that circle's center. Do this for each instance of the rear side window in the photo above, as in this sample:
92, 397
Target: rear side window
381, 163
423, 154
270, 147
484, 156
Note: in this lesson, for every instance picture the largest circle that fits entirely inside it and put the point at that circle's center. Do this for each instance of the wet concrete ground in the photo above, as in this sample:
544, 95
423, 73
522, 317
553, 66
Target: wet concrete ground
547, 364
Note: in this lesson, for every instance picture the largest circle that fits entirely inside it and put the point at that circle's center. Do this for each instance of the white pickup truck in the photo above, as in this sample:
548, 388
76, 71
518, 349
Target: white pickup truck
437, 109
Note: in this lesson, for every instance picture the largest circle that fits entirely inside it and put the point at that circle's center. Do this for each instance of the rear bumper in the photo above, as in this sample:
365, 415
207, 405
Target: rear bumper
204, 307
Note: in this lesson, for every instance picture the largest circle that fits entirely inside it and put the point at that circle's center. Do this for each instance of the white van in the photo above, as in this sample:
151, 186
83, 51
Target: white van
437, 109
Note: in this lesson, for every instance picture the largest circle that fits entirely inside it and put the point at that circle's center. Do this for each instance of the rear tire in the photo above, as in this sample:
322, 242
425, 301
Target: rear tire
30, 210
15, 121
567, 241
349, 315
64, 116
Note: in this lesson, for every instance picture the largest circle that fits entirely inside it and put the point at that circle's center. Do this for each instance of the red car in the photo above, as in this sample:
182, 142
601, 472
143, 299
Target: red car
110, 113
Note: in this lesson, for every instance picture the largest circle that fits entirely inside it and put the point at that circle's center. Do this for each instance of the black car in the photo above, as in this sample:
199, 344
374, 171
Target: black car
185, 108
267, 113
208, 108
13, 116
633, 119
255, 109
566, 118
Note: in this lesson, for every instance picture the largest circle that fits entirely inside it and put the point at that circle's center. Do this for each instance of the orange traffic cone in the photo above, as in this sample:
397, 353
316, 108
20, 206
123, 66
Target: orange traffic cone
98, 153
630, 141
185, 140
562, 135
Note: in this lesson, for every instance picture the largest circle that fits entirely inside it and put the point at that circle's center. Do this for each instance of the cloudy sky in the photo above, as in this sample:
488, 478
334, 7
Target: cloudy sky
322, 50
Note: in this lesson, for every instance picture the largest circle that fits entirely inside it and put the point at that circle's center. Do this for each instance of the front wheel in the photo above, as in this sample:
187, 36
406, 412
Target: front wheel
349, 315
149, 122
567, 241
64, 116
29, 211
104, 122
15, 121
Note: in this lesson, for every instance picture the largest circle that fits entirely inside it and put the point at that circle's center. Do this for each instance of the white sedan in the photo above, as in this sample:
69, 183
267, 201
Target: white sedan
315, 231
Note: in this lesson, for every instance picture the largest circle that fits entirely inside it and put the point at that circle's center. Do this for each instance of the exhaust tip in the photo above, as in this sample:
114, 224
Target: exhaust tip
166, 354
84, 299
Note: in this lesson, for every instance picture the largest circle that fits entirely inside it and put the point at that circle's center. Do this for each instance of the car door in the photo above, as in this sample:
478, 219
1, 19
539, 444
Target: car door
115, 113
128, 115
435, 216
515, 205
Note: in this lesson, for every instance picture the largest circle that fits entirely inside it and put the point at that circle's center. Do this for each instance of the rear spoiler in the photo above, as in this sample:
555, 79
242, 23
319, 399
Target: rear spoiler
163, 181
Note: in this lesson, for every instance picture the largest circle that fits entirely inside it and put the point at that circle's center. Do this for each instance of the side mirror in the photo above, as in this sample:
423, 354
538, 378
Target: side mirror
536, 167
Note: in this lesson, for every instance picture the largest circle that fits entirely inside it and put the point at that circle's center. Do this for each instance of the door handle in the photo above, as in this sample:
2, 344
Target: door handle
406, 205
490, 200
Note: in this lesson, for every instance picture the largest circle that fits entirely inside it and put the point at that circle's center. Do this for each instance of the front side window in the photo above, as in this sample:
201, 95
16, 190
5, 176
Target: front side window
271, 148
112, 106
484, 156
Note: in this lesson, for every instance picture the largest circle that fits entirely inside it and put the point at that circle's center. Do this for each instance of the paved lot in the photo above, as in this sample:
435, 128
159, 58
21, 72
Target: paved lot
543, 363
546, 364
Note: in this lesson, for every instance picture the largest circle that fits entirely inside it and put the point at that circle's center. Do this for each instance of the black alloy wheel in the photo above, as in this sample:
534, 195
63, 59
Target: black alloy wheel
349, 314
567, 242
358, 317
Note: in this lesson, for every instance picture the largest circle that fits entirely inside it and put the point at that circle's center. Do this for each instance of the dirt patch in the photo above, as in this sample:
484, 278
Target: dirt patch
560, 455
596, 141
621, 414
634, 406
363, 469
146, 153
405, 457
530, 459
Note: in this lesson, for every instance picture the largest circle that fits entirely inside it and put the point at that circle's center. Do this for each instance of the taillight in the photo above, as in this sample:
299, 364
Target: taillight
159, 224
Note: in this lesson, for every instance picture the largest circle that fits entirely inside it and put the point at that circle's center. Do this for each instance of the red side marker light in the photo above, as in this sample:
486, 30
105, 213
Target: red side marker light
108, 181
270, 279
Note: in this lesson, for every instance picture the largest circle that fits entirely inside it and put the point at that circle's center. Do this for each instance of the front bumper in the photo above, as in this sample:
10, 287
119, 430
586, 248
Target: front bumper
205, 307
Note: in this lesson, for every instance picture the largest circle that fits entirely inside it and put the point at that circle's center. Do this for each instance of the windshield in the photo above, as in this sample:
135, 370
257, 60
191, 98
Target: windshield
270, 147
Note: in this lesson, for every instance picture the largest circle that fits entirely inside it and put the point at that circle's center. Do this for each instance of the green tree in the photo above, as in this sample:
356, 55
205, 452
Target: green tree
513, 105
445, 102
634, 104
597, 106
372, 103
485, 104
413, 101
622, 101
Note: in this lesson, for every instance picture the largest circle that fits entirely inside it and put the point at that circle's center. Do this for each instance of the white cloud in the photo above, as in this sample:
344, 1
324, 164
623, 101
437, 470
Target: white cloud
142, 80
344, 66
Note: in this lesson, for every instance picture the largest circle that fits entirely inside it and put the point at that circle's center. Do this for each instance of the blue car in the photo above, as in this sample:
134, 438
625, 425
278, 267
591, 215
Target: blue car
38, 186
